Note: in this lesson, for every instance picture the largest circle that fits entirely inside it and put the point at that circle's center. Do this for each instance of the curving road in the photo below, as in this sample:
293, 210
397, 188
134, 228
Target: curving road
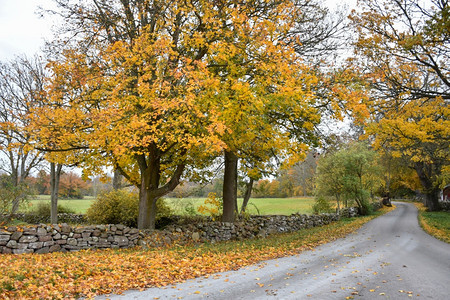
391, 257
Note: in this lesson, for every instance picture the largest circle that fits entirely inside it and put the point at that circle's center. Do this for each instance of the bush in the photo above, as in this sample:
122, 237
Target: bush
120, 207
43, 209
322, 205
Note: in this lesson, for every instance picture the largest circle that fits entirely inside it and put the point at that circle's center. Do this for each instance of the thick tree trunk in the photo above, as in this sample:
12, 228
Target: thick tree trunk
424, 172
55, 175
117, 180
230, 187
432, 200
147, 209
149, 189
247, 195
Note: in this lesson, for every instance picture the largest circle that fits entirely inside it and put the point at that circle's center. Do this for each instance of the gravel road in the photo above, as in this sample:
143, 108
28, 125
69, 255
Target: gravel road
391, 257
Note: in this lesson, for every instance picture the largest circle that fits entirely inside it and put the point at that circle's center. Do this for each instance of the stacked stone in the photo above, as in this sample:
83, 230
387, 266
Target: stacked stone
255, 226
50, 238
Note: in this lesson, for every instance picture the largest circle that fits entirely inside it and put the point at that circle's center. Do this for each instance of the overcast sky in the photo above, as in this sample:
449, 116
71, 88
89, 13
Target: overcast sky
23, 32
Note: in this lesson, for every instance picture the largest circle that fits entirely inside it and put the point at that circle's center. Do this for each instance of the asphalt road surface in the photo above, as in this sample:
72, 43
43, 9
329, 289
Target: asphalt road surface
391, 257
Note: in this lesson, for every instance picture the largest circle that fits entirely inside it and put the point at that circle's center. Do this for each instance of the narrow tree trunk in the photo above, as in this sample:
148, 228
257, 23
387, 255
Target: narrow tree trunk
230, 187
55, 175
247, 195
15, 183
338, 210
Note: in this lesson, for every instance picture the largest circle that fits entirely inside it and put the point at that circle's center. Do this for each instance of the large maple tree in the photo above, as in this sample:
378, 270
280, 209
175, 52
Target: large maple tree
158, 89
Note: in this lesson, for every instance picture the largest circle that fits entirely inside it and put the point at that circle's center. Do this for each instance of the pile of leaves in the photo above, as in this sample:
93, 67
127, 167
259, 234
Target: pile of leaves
435, 223
94, 272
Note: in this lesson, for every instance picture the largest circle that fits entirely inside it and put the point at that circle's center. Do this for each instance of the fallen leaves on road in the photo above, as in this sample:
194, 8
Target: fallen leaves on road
94, 272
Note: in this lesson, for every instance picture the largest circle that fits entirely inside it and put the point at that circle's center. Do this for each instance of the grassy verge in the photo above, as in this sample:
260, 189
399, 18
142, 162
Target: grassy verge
90, 273
436, 224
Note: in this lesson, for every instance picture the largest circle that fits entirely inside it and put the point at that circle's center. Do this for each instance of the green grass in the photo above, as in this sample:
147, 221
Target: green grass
263, 206
436, 223
80, 206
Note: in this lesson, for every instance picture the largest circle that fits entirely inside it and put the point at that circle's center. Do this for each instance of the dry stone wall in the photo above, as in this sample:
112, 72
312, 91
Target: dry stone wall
253, 227
50, 238
44, 238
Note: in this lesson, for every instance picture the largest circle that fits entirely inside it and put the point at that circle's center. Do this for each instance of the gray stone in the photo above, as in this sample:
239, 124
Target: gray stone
61, 242
36, 245
121, 240
195, 236
22, 251
72, 242
45, 238
4, 239
41, 231
28, 239
64, 237
134, 231
65, 228
85, 234
54, 248
12, 244
57, 236
16, 235
12, 229
6, 250
49, 243
29, 230
43, 250
71, 247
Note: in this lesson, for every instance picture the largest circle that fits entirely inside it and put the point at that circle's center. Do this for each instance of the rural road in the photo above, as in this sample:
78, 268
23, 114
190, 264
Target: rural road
391, 257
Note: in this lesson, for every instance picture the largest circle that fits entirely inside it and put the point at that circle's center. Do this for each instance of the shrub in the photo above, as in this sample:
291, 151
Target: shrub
43, 209
120, 207
322, 205
213, 206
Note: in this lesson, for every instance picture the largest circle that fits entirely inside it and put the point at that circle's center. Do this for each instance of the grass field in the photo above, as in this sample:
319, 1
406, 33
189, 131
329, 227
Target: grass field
78, 205
263, 206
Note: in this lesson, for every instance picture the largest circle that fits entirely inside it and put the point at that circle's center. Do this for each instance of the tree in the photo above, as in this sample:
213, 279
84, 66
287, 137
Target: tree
404, 50
419, 133
139, 97
21, 87
266, 99
351, 173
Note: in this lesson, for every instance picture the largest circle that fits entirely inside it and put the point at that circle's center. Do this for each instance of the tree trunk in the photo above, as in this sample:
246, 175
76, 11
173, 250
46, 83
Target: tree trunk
149, 189
15, 184
230, 187
431, 191
55, 175
117, 180
248, 193
147, 209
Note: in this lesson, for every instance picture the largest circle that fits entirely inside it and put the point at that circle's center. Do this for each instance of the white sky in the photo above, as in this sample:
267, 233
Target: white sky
21, 29
23, 32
